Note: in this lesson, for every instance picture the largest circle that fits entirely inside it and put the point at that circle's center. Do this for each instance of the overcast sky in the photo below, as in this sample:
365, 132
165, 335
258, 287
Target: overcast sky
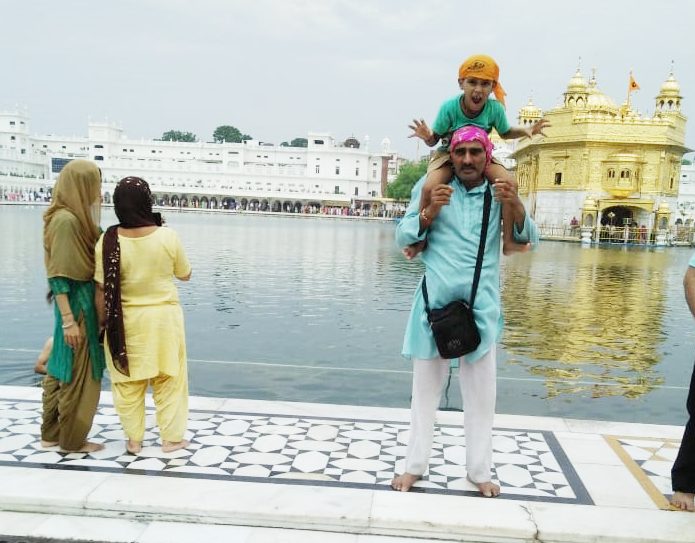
277, 69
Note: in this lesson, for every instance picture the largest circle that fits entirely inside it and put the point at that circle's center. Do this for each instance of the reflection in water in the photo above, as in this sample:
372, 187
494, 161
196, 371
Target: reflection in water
588, 315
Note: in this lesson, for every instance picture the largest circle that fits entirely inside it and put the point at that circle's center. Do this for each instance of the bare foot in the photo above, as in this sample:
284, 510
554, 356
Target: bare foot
511, 248
88, 447
684, 501
404, 482
487, 489
170, 446
411, 251
133, 447
47, 444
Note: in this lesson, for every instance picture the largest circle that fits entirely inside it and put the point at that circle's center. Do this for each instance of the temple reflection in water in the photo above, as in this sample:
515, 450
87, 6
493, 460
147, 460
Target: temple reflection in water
597, 318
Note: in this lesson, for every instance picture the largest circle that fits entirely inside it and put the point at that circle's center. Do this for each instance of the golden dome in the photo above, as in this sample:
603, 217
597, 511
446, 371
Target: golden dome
530, 110
597, 101
670, 86
577, 83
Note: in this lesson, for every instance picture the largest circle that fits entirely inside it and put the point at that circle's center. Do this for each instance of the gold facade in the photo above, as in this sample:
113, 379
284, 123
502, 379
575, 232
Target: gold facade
597, 156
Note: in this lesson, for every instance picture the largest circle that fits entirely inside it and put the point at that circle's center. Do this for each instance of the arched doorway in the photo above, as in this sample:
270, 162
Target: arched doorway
204, 203
616, 216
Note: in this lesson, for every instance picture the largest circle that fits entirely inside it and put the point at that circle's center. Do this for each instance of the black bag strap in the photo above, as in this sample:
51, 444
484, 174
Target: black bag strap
487, 204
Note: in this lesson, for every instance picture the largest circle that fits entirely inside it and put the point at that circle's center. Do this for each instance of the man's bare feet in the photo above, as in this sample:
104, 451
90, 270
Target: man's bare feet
411, 251
684, 501
47, 444
171, 446
487, 489
87, 447
511, 248
133, 447
404, 482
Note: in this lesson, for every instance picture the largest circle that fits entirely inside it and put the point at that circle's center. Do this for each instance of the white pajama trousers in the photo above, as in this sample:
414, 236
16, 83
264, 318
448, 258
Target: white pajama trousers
478, 382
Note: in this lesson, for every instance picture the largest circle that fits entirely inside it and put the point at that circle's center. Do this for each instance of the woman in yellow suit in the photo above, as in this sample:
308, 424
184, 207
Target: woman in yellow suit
138, 303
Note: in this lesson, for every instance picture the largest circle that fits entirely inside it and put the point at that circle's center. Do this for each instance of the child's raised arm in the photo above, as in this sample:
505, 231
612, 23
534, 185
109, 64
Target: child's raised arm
528, 132
422, 131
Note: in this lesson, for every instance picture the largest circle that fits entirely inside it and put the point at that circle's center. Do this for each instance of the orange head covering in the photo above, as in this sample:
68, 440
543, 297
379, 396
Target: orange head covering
483, 67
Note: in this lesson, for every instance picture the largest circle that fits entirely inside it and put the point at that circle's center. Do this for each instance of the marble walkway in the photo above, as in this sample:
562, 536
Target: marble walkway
273, 471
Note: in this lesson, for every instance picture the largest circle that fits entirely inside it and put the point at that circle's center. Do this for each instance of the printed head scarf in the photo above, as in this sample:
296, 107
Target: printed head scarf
483, 67
472, 133
71, 227
132, 201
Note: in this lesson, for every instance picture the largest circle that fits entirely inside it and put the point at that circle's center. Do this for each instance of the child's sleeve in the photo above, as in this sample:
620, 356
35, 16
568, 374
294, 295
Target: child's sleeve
442, 124
500, 122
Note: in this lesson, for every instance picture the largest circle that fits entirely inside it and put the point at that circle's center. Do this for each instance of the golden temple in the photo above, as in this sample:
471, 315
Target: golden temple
600, 163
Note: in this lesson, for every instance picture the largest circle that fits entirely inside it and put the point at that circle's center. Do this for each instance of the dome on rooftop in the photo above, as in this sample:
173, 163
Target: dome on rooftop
670, 86
577, 83
352, 142
530, 110
597, 101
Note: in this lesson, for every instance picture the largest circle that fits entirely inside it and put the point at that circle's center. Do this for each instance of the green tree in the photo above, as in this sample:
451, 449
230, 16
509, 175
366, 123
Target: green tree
178, 135
296, 142
229, 134
686, 162
409, 174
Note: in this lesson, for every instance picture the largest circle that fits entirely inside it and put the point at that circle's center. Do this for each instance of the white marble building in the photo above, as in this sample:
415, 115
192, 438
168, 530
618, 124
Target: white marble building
685, 212
261, 175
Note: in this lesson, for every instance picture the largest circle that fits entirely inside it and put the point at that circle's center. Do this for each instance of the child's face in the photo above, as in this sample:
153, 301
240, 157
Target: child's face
475, 92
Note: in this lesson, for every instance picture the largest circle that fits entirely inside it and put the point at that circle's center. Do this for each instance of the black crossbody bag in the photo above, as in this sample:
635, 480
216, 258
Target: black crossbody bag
453, 326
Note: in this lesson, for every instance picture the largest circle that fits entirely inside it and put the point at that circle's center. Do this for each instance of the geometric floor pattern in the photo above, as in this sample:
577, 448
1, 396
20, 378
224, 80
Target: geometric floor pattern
528, 465
650, 461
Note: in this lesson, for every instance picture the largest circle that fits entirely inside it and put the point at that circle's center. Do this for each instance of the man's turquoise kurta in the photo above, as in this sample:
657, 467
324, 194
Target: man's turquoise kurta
452, 248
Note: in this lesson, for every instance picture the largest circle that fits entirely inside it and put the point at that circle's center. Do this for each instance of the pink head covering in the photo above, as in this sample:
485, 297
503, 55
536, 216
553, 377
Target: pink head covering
472, 133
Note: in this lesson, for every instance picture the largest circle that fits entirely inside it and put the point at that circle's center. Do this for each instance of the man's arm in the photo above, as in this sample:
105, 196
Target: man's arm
506, 192
689, 285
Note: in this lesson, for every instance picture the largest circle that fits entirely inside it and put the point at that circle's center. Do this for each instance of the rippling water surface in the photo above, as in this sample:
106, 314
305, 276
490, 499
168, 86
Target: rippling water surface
314, 309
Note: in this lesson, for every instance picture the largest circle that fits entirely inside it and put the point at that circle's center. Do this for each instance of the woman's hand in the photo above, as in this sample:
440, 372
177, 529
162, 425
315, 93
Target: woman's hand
72, 335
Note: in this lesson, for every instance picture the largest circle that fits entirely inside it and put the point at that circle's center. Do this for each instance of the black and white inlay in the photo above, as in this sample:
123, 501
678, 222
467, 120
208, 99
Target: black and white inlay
529, 465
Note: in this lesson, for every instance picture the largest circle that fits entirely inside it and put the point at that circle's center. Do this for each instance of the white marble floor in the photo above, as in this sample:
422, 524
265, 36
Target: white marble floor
529, 464
286, 467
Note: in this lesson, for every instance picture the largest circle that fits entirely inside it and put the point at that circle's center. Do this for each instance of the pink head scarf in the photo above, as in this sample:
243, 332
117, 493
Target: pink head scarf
472, 133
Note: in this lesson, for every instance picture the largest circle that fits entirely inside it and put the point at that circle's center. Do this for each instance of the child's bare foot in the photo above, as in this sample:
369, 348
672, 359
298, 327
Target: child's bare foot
47, 444
171, 446
684, 501
87, 447
403, 483
487, 489
511, 248
411, 251
133, 447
